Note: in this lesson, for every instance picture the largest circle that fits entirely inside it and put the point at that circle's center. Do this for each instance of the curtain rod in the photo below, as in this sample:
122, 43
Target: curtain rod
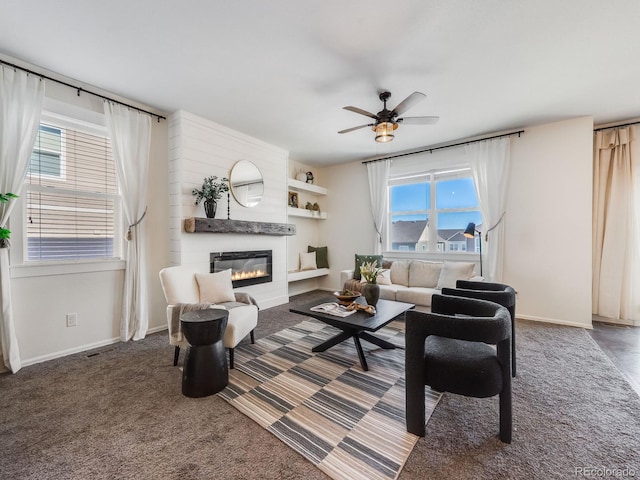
80, 89
432, 149
616, 126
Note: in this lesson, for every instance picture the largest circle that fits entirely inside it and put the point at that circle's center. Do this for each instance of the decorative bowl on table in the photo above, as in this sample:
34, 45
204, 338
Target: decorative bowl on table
346, 297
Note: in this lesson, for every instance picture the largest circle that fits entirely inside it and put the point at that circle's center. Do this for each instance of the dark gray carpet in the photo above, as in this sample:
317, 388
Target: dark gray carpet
120, 415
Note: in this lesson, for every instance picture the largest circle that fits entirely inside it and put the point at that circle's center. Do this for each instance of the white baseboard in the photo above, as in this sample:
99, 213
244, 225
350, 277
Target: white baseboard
274, 302
82, 348
63, 353
616, 321
309, 288
157, 329
588, 326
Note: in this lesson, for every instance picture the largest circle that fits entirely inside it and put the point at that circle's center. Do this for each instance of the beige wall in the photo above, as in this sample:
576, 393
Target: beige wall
548, 255
548, 240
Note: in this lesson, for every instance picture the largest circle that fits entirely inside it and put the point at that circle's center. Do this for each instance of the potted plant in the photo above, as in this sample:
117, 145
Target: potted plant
314, 208
4, 233
210, 193
371, 289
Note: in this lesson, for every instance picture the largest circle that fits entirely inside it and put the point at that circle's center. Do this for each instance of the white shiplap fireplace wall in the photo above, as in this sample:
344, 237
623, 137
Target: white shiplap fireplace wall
200, 148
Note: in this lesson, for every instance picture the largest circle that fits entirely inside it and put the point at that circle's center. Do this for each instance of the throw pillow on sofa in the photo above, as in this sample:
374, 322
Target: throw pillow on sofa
384, 278
400, 272
361, 259
424, 274
454, 271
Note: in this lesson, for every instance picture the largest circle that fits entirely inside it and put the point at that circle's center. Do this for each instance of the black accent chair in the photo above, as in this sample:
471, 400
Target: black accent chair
450, 349
493, 292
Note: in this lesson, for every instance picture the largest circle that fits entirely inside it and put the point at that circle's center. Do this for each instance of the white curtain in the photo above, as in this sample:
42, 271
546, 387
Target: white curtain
130, 133
616, 275
21, 97
490, 161
378, 173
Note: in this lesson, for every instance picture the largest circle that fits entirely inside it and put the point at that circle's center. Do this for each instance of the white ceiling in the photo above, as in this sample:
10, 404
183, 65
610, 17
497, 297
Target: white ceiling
281, 70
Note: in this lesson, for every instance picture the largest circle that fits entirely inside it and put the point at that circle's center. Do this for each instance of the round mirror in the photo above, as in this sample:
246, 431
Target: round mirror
246, 183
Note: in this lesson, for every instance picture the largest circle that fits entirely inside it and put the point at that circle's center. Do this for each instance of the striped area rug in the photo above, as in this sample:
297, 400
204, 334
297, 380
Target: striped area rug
348, 422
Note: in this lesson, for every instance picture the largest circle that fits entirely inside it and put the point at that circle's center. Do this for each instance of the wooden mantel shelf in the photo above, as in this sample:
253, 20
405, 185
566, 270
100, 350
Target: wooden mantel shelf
214, 225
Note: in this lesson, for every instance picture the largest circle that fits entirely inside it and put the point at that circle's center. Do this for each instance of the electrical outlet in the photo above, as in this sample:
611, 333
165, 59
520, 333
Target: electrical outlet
72, 319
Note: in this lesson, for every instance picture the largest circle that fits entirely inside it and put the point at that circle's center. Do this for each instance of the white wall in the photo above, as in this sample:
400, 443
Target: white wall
349, 228
548, 240
548, 254
200, 148
42, 296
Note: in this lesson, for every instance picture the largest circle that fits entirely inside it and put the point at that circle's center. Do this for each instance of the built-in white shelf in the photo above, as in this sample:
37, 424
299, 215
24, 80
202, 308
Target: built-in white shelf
306, 187
307, 191
297, 275
306, 213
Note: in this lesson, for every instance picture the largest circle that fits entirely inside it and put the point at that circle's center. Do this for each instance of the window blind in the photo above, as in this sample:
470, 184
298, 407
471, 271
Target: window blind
72, 196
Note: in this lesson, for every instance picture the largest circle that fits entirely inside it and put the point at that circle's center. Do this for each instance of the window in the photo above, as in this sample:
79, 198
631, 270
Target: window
429, 211
72, 205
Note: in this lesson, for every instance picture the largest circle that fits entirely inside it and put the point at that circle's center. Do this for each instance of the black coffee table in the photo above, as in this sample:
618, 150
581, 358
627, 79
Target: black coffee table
357, 325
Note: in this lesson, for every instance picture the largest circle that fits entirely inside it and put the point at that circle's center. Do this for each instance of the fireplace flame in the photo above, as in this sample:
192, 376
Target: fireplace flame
243, 275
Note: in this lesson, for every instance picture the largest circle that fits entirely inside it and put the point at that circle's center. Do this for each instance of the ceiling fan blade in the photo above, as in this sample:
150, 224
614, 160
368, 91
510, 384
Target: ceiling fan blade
355, 128
408, 102
418, 120
361, 112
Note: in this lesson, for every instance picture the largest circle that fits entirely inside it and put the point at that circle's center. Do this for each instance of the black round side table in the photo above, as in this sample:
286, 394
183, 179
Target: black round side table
205, 366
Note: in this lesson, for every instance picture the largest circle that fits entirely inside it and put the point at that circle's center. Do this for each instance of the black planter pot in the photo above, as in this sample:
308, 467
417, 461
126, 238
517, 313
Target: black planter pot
371, 293
210, 207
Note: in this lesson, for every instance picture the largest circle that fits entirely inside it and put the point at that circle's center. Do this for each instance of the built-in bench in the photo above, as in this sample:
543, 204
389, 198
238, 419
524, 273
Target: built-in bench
296, 275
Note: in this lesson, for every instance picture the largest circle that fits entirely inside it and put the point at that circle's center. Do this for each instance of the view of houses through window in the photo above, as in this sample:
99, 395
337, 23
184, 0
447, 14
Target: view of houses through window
430, 211
71, 196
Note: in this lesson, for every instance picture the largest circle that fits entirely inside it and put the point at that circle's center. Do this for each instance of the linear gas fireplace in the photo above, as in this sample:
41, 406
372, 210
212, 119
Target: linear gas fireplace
247, 268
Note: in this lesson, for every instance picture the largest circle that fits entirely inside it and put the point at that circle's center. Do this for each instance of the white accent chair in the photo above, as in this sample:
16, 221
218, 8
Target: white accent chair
183, 294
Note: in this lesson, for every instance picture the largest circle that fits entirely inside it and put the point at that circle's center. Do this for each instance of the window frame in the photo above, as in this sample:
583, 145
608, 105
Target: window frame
433, 175
20, 265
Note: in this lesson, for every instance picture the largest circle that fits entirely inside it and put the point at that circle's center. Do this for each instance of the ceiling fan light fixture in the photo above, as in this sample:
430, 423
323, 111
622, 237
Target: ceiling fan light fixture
386, 121
384, 131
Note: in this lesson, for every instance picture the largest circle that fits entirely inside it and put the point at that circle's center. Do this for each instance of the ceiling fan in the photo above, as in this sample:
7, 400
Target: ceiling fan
386, 121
